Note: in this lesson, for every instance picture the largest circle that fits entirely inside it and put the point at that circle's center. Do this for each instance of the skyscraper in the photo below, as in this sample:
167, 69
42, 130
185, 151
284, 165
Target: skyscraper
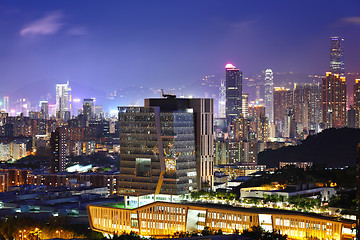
6, 104
333, 100
58, 148
233, 93
222, 100
44, 109
357, 102
157, 151
245, 105
269, 95
283, 99
203, 112
88, 108
62, 100
337, 55
307, 105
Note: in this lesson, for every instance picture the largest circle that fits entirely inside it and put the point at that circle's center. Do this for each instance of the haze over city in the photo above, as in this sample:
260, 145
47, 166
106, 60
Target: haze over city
103, 47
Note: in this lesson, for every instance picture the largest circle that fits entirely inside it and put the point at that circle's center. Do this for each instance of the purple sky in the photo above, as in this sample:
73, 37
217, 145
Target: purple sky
106, 45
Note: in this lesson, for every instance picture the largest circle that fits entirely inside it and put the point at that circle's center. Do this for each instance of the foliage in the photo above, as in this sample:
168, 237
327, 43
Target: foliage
11, 227
256, 232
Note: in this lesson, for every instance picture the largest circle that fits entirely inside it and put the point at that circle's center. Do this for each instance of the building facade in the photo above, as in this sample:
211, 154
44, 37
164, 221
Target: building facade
203, 115
157, 151
62, 101
337, 65
59, 150
307, 106
233, 93
165, 219
269, 95
333, 95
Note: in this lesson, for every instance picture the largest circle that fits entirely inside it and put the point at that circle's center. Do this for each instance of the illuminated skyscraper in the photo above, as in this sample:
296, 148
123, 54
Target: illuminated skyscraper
307, 105
62, 100
283, 101
59, 150
337, 55
222, 100
357, 102
157, 151
6, 104
245, 105
203, 112
233, 93
269, 95
333, 100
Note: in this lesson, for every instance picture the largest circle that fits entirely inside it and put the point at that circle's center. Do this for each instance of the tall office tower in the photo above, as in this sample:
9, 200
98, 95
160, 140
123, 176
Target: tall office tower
333, 95
269, 95
88, 108
62, 101
233, 93
6, 104
337, 55
283, 100
59, 149
157, 151
222, 100
357, 102
307, 105
203, 112
44, 109
245, 105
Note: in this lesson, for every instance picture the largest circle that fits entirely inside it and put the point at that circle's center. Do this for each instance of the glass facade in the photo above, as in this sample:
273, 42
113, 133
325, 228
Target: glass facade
151, 143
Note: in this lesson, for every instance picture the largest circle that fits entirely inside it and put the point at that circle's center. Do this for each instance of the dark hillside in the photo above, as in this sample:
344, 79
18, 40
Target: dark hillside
332, 147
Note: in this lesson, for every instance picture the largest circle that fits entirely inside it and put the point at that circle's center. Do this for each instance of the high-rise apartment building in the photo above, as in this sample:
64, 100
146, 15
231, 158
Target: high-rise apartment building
88, 108
283, 100
157, 151
357, 102
307, 106
62, 101
6, 104
203, 112
233, 93
269, 95
337, 55
333, 95
59, 150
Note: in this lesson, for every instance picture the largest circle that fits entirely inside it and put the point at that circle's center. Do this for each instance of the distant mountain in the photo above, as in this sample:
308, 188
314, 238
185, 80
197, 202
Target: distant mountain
332, 147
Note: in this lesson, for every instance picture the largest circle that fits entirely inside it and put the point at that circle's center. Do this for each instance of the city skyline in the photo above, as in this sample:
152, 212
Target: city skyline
53, 43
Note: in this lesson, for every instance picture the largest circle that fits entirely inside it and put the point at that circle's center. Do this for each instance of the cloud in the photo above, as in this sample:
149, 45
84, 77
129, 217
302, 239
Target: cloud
351, 20
49, 24
77, 31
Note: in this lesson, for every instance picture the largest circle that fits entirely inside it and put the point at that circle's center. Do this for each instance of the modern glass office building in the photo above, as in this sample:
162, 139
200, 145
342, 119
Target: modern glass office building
337, 55
157, 151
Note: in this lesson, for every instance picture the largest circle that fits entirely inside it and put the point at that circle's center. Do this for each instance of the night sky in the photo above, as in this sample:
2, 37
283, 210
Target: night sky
106, 45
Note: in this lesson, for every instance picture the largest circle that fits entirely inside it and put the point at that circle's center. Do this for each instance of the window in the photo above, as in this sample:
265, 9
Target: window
143, 167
